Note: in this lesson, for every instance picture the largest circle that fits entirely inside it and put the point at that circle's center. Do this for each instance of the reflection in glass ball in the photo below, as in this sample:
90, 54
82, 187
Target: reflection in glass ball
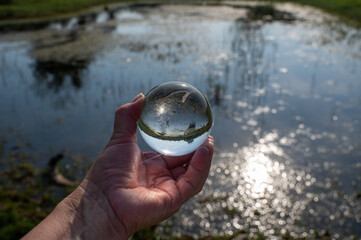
176, 118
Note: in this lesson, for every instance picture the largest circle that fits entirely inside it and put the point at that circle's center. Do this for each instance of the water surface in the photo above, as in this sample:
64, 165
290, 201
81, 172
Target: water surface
285, 93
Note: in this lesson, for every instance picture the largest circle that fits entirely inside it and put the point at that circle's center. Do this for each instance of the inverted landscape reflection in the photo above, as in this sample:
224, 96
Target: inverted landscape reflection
285, 95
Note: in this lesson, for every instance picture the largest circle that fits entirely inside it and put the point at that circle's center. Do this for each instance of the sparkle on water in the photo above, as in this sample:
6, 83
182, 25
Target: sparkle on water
176, 118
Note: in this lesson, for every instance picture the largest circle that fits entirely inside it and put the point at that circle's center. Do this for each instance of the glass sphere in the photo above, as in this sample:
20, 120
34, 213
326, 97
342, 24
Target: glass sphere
176, 118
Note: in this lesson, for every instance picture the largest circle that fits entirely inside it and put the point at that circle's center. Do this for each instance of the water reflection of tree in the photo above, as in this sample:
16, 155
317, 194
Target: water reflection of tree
246, 73
58, 81
53, 75
60, 58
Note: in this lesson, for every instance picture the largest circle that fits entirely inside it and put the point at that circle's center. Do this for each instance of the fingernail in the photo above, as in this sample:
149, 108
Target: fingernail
137, 97
205, 147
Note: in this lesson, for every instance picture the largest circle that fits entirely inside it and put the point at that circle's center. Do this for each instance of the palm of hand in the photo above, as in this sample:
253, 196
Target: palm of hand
142, 188
143, 193
135, 189
126, 190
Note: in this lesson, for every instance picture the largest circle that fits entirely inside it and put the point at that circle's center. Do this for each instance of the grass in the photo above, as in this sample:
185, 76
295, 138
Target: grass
25, 9
20, 9
25, 199
346, 9
27, 195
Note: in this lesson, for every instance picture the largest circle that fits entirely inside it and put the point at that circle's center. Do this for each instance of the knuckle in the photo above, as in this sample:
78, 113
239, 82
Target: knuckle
121, 110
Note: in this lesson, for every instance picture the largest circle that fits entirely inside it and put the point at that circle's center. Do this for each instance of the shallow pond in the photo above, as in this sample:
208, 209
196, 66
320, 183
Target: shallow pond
284, 85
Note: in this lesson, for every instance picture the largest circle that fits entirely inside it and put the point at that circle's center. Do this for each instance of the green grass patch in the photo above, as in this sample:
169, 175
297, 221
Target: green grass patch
346, 9
24, 9
20, 9
26, 197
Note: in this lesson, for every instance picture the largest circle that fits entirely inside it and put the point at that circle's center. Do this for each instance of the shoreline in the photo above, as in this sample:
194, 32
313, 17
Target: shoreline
24, 24
37, 23
31, 23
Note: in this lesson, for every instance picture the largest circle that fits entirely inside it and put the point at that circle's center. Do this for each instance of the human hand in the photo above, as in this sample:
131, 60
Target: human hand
144, 192
126, 190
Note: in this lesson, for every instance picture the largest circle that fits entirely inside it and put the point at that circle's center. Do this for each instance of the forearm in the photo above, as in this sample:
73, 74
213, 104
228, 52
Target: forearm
84, 214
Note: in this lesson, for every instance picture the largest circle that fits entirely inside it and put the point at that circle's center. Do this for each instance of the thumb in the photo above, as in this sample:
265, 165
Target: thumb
126, 117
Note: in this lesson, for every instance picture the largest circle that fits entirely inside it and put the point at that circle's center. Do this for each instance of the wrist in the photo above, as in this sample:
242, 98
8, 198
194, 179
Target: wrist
90, 215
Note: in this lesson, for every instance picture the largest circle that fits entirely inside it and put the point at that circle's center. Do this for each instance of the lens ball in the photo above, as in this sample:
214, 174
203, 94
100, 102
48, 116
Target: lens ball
176, 118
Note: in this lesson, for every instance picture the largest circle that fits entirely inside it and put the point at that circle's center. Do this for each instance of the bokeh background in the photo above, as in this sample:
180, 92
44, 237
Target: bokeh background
283, 80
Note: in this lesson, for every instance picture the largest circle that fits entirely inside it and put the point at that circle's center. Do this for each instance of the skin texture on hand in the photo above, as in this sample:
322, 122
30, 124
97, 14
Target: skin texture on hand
143, 193
127, 190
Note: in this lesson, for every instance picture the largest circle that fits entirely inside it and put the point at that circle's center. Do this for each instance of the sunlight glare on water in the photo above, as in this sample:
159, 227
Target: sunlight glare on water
256, 174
